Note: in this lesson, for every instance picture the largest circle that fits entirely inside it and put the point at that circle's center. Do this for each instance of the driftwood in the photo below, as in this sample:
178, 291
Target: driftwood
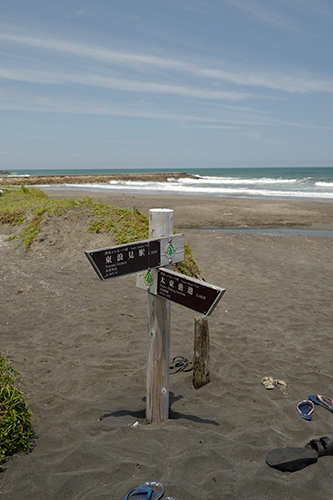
201, 353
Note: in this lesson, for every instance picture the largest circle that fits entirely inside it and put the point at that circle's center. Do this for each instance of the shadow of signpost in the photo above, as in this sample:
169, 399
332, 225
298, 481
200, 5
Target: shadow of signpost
173, 415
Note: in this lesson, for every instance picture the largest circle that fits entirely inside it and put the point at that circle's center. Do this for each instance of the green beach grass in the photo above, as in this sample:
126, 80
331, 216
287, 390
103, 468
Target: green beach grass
28, 207
15, 418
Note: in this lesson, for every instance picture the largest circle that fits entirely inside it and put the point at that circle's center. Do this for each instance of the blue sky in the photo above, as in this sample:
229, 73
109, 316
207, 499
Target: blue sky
166, 83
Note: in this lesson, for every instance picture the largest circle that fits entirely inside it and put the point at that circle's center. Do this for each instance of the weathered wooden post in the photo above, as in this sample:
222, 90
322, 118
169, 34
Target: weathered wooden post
201, 353
159, 314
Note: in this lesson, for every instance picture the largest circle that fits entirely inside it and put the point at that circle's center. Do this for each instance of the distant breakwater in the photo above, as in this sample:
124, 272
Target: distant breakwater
91, 179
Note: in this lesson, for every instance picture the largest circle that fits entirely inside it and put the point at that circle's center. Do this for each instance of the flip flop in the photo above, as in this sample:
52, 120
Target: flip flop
294, 459
281, 384
150, 490
305, 409
323, 401
139, 494
180, 364
268, 382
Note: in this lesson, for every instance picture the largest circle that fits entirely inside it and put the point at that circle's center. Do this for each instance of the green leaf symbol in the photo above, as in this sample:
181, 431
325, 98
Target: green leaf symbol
149, 278
170, 250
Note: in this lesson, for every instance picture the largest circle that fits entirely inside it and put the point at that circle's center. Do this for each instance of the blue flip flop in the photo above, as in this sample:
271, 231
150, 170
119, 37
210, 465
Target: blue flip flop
150, 490
323, 401
140, 494
305, 409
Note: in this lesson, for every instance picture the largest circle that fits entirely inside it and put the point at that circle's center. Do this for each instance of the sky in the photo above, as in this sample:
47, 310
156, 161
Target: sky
166, 84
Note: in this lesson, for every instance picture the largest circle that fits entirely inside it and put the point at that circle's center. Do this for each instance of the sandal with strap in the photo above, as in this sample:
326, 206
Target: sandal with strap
150, 490
305, 409
180, 364
140, 494
323, 401
294, 459
323, 446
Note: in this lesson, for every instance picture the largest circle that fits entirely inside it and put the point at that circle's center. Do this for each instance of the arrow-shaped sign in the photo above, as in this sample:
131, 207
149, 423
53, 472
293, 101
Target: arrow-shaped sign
133, 257
189, 292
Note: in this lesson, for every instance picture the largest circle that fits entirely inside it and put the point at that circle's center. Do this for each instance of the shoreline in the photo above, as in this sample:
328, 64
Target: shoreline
101, 184
216, 212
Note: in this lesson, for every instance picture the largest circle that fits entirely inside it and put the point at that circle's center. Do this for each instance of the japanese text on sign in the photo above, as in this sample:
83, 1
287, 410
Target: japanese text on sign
188, 292
125, 259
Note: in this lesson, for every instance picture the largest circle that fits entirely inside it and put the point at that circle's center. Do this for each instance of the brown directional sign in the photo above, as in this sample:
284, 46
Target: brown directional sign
189, 292
133, 257
195, 294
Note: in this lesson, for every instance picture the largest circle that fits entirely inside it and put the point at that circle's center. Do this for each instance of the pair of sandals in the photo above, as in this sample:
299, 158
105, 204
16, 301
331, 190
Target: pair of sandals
306, 407
150, 490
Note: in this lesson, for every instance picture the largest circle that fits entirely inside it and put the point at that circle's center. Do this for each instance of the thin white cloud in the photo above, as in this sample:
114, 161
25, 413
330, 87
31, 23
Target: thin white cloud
77, 14
254, 136
259, 12
295, 81
310, 6
25, 101
212, 127
120, 84
124, 110
86, 107
16, 100
139, 143
274, 142
81, 12
243, 109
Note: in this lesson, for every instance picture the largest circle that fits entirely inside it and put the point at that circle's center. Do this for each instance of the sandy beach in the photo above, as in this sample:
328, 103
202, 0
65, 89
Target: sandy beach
80, 345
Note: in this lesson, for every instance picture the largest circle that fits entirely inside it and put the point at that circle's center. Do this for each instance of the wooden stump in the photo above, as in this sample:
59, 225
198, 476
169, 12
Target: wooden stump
201, 353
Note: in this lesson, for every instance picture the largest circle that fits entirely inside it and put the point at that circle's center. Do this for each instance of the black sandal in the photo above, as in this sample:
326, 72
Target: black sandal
180, 364
293, 459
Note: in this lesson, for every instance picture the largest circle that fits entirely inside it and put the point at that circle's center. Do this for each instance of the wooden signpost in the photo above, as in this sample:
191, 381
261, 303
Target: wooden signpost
154, 257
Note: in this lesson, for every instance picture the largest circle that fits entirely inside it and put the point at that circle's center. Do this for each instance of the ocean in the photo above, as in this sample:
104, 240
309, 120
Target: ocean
279, 183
